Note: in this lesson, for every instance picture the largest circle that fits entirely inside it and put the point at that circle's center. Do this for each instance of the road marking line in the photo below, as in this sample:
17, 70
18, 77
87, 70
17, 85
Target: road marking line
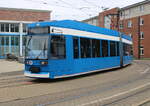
145, 101
119, 94
145, 71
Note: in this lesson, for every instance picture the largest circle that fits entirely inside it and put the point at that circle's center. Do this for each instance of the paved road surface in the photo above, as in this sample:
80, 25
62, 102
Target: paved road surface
120, 87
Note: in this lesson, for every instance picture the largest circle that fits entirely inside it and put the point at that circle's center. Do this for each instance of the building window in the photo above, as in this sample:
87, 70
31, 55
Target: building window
16, 40
58, 47
121, 14
25, 28
14, 27
2, 41
85, 46
141, 35
141, 8
2, 27
12, 40
76, 47
130, 35
7, 40
141, 21
121, 25
107, 22
129, 12
129, 24
24, 40
112, 48
104, 48
7, 27
141, 50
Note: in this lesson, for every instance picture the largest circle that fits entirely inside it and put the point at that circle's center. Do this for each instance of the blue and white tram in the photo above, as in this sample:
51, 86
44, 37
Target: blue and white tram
67, 48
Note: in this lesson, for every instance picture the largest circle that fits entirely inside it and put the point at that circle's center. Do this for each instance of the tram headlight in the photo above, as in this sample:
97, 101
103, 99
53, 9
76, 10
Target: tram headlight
29, 62
44, 62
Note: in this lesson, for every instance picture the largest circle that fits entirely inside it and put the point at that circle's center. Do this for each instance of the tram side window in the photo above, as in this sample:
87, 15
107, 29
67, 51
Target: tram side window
112, 48
104, 48
76, 47
129, 49
58, 47
126, 50
95, 48
118, 52
85, 45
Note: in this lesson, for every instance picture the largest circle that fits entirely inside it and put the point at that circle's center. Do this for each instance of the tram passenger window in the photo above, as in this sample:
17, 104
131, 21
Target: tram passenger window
58, 47
95, 48
76, 47
125, 50
85, 45
118, 52
112, 48
129, 50
104, 48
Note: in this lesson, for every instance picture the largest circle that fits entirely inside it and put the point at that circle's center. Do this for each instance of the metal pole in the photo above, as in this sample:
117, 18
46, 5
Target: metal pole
121, 49
139, 40
21, 35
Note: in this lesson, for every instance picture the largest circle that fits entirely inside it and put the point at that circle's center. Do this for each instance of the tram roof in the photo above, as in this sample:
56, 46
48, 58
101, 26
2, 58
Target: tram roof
72, 24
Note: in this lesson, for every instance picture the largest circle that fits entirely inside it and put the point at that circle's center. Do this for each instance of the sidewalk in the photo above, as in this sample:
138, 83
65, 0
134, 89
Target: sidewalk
10, 66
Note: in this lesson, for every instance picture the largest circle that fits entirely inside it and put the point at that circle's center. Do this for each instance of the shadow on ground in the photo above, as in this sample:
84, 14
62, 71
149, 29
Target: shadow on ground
40, 80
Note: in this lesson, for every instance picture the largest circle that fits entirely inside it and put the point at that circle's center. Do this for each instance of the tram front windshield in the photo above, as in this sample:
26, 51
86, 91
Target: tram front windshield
37, 47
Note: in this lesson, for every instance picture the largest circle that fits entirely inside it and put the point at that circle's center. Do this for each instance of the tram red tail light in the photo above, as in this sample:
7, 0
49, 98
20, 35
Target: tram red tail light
44, 62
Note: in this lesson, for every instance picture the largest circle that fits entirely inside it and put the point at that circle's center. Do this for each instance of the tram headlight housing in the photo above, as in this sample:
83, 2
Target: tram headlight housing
29, 62
44, 62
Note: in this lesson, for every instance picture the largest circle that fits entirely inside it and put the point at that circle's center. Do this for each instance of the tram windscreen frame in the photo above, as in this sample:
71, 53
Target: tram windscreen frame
39, 30
37, 47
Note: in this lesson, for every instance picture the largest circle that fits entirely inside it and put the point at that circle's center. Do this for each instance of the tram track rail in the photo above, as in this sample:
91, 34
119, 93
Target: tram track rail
60, 97
55, 98
13, 81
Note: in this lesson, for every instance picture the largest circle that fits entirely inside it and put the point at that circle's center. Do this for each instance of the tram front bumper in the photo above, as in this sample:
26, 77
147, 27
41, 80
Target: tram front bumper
37, 75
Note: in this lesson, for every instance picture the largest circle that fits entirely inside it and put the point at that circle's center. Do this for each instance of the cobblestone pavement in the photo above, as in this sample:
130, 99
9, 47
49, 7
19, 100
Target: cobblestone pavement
119, 87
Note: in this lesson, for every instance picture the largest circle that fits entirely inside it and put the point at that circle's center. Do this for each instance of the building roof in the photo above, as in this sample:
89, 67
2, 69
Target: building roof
95, 17
24, 9
78, 26
136, 4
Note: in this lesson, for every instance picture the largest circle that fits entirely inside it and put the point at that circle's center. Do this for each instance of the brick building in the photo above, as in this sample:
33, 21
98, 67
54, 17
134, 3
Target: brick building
13, 29
133, 20
109, 19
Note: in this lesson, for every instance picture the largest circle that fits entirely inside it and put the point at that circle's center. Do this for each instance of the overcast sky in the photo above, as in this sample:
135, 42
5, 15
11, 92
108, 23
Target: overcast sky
68, 9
